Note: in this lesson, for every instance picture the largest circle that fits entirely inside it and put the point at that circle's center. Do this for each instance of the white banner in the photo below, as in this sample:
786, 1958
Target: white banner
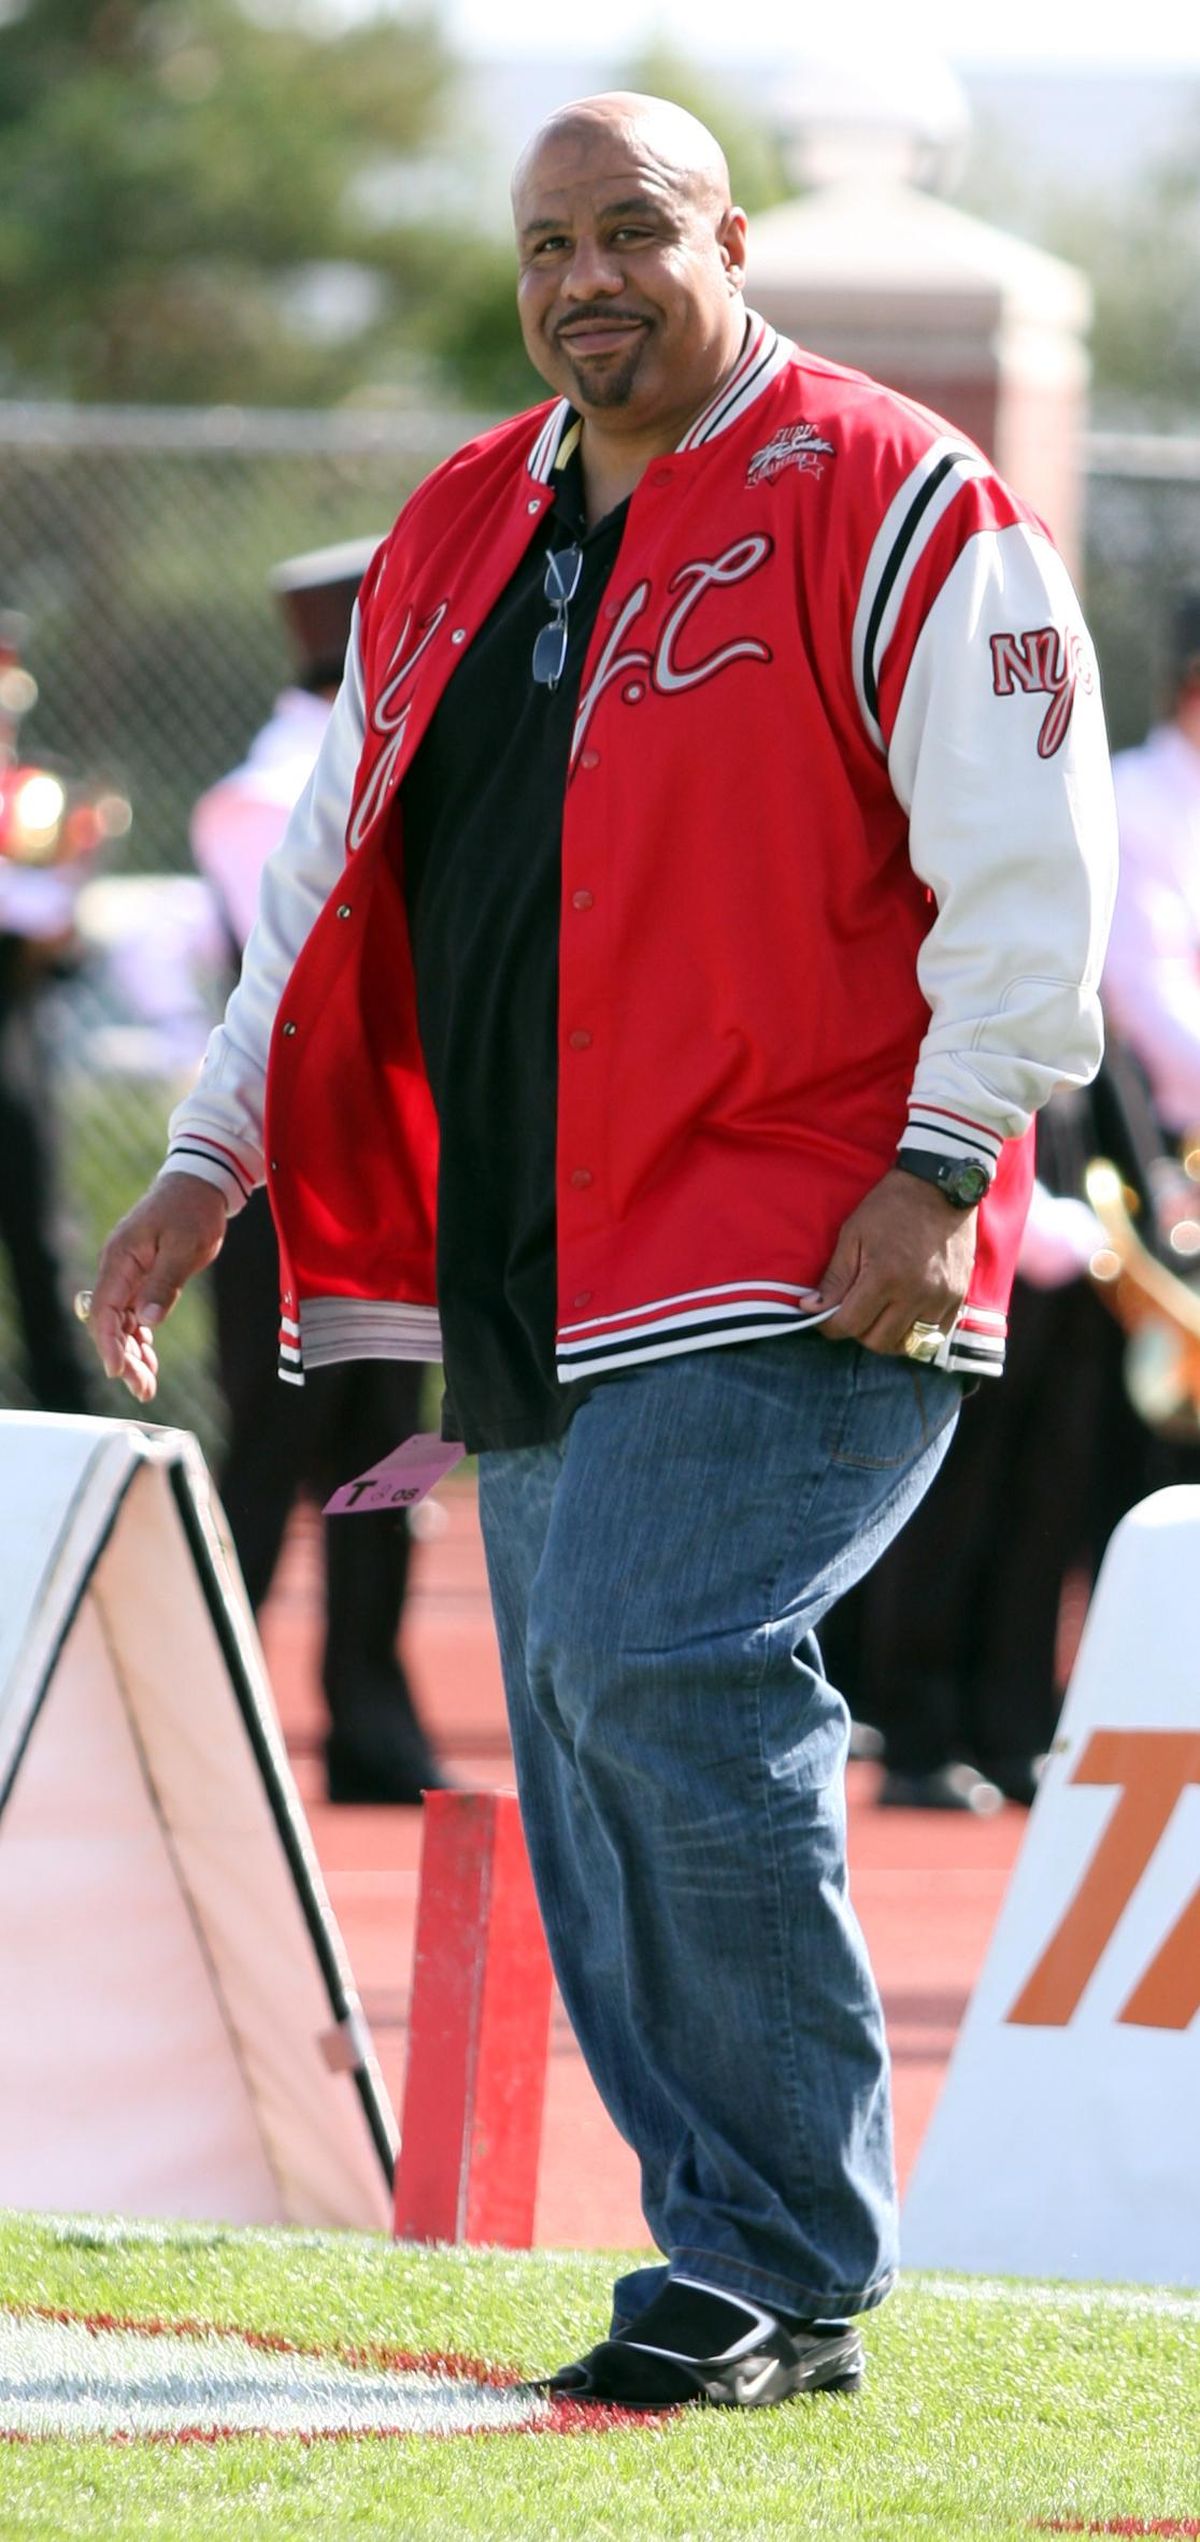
1066, 2142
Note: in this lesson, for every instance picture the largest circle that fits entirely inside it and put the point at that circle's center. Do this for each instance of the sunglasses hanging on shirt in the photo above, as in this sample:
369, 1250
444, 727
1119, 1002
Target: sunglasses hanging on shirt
564, 566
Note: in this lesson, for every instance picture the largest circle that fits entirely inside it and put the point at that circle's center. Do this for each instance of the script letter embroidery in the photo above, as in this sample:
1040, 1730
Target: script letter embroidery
1045, 662
612, 665
656, 664
733, 567
390, 722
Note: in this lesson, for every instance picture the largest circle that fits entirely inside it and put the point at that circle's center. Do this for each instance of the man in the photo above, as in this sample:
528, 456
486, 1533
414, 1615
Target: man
701, 853
283, 1438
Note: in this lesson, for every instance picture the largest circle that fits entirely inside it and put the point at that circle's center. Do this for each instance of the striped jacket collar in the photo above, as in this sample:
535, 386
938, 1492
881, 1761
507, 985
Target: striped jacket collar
763, 356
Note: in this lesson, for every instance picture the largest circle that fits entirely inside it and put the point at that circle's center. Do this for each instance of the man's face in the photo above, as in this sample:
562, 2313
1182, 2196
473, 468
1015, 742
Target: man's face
629, 270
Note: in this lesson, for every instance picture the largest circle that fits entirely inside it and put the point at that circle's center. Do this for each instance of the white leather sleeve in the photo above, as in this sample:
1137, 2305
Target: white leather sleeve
216, 1132
1018, 849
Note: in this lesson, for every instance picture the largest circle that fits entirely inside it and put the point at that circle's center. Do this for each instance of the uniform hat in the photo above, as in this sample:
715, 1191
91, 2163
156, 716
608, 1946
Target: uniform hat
316, 594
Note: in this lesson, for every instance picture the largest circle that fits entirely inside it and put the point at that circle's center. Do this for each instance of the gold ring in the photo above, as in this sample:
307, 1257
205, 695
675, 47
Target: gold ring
924, 1341
83, 1304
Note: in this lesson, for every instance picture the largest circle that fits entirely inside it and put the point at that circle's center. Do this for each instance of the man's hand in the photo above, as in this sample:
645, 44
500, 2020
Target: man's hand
903, 1257
177, 1229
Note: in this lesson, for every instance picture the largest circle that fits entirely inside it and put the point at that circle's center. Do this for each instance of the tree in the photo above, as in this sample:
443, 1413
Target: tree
178, 179
1140, 249
756, 171
1143, 258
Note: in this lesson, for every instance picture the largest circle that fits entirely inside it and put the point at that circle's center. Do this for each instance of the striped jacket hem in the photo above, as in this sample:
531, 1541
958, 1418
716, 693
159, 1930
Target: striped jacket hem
337, 1328
760, 1311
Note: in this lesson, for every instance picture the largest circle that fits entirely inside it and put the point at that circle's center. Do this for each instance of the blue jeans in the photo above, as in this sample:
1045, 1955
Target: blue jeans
657, 1576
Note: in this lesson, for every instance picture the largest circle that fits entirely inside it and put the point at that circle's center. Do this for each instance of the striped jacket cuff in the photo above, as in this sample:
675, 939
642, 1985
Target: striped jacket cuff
940, 1132
211, 1164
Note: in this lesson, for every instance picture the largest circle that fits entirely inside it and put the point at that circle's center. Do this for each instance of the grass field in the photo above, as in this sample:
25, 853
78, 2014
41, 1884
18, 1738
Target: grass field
990, 2409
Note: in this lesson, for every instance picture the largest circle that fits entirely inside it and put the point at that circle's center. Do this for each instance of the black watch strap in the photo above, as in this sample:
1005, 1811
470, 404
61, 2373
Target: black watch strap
962, 1180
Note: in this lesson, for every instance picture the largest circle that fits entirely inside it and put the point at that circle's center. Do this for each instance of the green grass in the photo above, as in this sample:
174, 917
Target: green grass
988, 2408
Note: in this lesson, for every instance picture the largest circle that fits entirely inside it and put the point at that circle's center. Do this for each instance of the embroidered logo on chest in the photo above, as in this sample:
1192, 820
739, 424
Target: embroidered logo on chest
673, 653
793, 446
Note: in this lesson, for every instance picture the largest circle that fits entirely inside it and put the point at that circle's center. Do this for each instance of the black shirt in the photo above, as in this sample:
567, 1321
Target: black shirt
482, 811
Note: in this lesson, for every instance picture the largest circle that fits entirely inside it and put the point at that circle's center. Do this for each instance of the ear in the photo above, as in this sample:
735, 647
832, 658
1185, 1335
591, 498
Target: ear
731, 240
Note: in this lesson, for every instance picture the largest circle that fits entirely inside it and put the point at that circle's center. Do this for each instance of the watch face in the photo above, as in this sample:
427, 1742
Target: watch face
964, 1183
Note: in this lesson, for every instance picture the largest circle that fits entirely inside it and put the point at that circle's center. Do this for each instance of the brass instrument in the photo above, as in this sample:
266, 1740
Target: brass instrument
1158, 1308
47, 817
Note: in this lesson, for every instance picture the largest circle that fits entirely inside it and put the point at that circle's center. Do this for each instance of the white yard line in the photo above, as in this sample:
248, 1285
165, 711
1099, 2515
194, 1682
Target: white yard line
69, 2378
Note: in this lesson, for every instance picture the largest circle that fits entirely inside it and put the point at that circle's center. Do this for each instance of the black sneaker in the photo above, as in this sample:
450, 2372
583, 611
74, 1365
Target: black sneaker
697, 2343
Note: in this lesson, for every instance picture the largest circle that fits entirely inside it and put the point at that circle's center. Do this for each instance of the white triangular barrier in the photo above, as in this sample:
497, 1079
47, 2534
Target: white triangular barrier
1066, 2142
181, 2035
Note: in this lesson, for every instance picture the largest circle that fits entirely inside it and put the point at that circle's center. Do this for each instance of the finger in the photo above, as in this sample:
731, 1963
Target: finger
861, 1304
110, 1328
835, 1286
845, 1325
873, 1314
888, 1335
139, 1367
135, 1290
118, 1279
141, 1291
122, 1341
896, 1335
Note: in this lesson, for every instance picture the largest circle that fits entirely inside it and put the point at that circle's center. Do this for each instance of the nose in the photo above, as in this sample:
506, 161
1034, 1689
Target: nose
594, 269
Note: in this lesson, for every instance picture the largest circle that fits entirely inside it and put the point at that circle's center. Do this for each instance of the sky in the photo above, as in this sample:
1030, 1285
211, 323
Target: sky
1081, 33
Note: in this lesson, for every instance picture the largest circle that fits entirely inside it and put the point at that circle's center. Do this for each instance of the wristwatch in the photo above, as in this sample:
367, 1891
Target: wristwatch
961, 1180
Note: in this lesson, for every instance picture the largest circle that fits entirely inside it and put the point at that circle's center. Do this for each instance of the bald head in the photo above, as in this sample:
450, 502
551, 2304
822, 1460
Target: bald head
631, 257
677, 142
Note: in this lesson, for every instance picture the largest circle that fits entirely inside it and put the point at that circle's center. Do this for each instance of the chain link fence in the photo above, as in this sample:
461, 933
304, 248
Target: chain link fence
137, 544
1142, 546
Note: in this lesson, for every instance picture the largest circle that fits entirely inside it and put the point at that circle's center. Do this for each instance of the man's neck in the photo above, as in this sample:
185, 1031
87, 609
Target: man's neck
612, 468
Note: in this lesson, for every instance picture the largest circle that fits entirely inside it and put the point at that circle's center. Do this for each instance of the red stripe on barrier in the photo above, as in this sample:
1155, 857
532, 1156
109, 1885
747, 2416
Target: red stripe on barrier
478, 2031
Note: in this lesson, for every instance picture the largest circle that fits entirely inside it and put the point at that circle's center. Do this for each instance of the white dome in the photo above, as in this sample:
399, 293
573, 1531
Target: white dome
893, 110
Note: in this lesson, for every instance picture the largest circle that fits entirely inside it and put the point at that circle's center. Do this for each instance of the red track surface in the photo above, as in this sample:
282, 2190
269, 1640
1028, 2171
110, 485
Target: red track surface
927, 1886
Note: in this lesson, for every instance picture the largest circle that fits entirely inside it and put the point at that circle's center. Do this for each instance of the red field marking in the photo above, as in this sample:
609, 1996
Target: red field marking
81, 2376
1119, 2524
927, 1885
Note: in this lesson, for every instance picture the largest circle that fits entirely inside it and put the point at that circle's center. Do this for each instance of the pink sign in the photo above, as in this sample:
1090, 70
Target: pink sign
400, 1480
